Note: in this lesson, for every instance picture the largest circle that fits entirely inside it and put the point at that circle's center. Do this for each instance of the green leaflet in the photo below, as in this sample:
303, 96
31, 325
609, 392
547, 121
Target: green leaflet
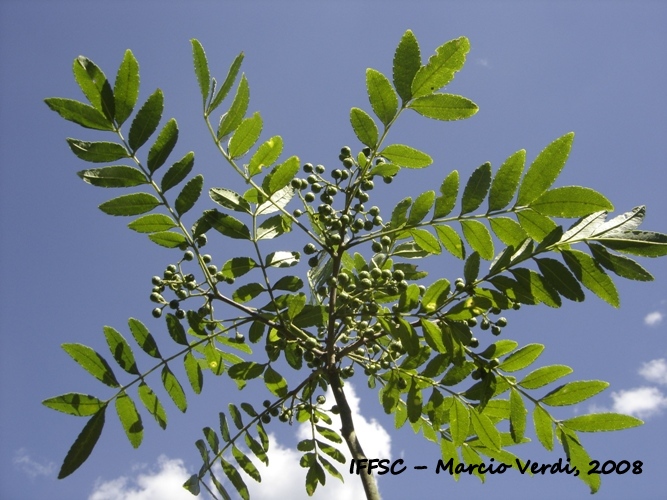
164, 144
560, 278
579, 458
601, 422
129, 419
94, 85
449, 190
238, 266
381, 96
174, 389
235, 478
266, 155
476, 188
146, 120
97, 152
441, 67
421, 207
570, 201
126, 87
143, 338
536, 288
591, 275
544, 375
459, 422
485, 430
405, 156
445, 107
522, 358
622, 266
478, 237
451, 240
275, 382
152, 404
232, 73
152, 223
227, 225
189, 195
177, 172
79, 113
201, 69
130, 204
281, 176
246, 370
113, 176
245, 136
426, 241
544, 428
72, 403
245, 464
231, 120
168, 239
536, 225
247, 292
517, 416
229, 199
273, 227
499, 348
574, 392
407, 61
120, 350
176, 330
471, 268
642, 243
506, 181
92, 362
508, 231
544, 170
364, 127
433, 336
399, 214
83, 445
435, 295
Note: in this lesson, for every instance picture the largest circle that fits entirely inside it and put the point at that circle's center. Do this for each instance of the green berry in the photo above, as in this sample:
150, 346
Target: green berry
321, 399
398, 275
348, 162
174, 304
320, 169
297, 213
308, 168
346, 151
312, 262
495, 329
156, 280
310, 249
201, 240
157, 312
156, 297
180, 313
485, 324
385, 240
376, 246
309, 197
474, 343
501, 322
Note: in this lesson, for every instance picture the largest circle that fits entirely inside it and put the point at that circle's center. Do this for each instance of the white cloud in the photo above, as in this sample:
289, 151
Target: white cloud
641, 401
31, 467
655, 371
285, 478
654, 318
483, 62
164, 483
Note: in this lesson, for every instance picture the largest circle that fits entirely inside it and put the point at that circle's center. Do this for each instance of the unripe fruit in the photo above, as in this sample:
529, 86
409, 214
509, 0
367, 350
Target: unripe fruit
376, 246
385, 240
266, 403
320, 169
368, 225
156, 280
201, 240
321, 399
476, 375
485, 324
174, 304
188, 255
345, 151
398, 275
312, 262
348, 162
157, 312
297, 213
501, 322
495, 329
310, 249
336, 174
156, 297
308, 168
472, 322
474, 343
366, 151
296, 183
172, 268
266, 419
309, 197
180, 313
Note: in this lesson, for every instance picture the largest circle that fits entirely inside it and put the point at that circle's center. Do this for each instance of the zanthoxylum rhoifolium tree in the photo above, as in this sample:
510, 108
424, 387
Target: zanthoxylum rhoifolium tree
360, 303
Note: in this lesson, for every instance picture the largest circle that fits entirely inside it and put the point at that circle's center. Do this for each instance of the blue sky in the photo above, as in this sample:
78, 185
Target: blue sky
536, 69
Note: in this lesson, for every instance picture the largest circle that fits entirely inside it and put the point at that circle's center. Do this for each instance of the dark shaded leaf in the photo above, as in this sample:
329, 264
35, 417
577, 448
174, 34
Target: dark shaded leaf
163, 145
97, 152
407, 61
146, 120
113, 176
83, 445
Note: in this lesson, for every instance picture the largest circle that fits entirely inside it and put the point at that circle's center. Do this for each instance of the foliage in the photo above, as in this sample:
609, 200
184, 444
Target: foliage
361, 304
